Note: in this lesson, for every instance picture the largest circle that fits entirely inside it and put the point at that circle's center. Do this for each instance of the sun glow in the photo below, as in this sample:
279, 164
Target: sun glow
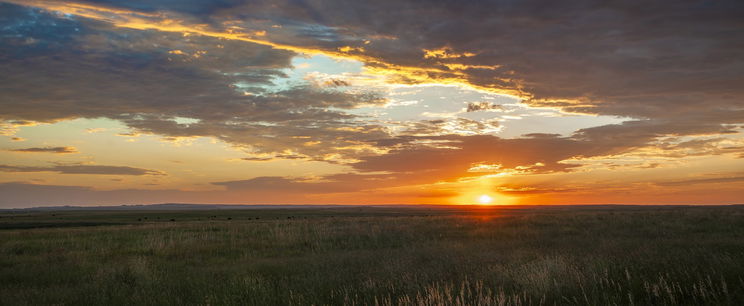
485, 199
480, 191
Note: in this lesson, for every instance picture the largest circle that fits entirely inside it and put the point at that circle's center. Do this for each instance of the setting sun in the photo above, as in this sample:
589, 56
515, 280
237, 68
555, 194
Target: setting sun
485, 199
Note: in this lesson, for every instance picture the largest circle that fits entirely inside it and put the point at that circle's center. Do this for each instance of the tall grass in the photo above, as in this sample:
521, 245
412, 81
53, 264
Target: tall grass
620, 256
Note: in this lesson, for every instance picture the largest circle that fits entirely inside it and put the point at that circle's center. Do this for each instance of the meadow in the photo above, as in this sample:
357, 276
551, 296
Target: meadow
451, 255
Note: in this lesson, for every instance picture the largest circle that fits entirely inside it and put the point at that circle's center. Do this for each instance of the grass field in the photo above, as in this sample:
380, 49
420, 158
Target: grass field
624, 255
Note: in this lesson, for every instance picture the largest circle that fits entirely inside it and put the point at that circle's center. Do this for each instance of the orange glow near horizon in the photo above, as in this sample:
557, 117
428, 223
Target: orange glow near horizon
480, 191
482, 197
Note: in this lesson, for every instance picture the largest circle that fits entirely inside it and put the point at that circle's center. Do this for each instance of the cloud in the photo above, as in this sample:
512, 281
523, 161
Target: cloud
448, 126
414, 160
715, 180
609, 59
532, 190
232, 90
336, 83
83, 169
463, 152
272, 184
482, 106
19, 195
56, 150
207, 62
613, 59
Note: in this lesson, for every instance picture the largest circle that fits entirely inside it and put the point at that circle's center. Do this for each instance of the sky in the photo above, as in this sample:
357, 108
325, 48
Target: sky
110, 102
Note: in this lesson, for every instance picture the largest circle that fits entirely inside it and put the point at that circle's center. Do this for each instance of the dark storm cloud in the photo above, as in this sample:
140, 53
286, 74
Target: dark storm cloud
675, 67
629, 58
82, 169
77, 68
56, 150
58, 68
194, 7
676, 64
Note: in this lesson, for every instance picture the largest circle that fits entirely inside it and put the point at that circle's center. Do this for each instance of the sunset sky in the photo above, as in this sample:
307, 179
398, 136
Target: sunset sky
108, 102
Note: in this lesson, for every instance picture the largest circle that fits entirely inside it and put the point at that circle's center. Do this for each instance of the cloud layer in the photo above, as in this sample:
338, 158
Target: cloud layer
222, 69
82, 169
56, 150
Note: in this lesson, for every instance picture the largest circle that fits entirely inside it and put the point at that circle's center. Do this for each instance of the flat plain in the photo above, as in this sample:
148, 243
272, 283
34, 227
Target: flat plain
418, 255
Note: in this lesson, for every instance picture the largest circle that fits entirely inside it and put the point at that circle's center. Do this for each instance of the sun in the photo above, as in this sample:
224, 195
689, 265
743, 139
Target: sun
485, 199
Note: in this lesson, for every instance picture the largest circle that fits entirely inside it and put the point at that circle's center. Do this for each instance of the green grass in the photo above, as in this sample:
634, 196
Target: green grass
386, 256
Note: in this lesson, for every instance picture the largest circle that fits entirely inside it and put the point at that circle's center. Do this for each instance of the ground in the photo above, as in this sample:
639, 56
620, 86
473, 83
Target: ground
598, 255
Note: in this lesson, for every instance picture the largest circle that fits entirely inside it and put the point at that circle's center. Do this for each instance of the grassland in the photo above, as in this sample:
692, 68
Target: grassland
375, 256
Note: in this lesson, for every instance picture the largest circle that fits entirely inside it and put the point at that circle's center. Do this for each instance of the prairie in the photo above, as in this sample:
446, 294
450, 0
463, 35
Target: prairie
419, 255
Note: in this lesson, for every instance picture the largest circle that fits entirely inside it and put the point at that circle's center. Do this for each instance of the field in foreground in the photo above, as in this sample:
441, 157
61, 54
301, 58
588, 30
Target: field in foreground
389, 256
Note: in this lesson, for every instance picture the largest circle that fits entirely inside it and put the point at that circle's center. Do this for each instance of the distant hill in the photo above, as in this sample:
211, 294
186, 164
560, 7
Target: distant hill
181, 206
171, 206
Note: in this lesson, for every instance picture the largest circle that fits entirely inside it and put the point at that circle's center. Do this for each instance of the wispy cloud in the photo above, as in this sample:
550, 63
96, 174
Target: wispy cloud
82, 169
714, 180
56, 150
